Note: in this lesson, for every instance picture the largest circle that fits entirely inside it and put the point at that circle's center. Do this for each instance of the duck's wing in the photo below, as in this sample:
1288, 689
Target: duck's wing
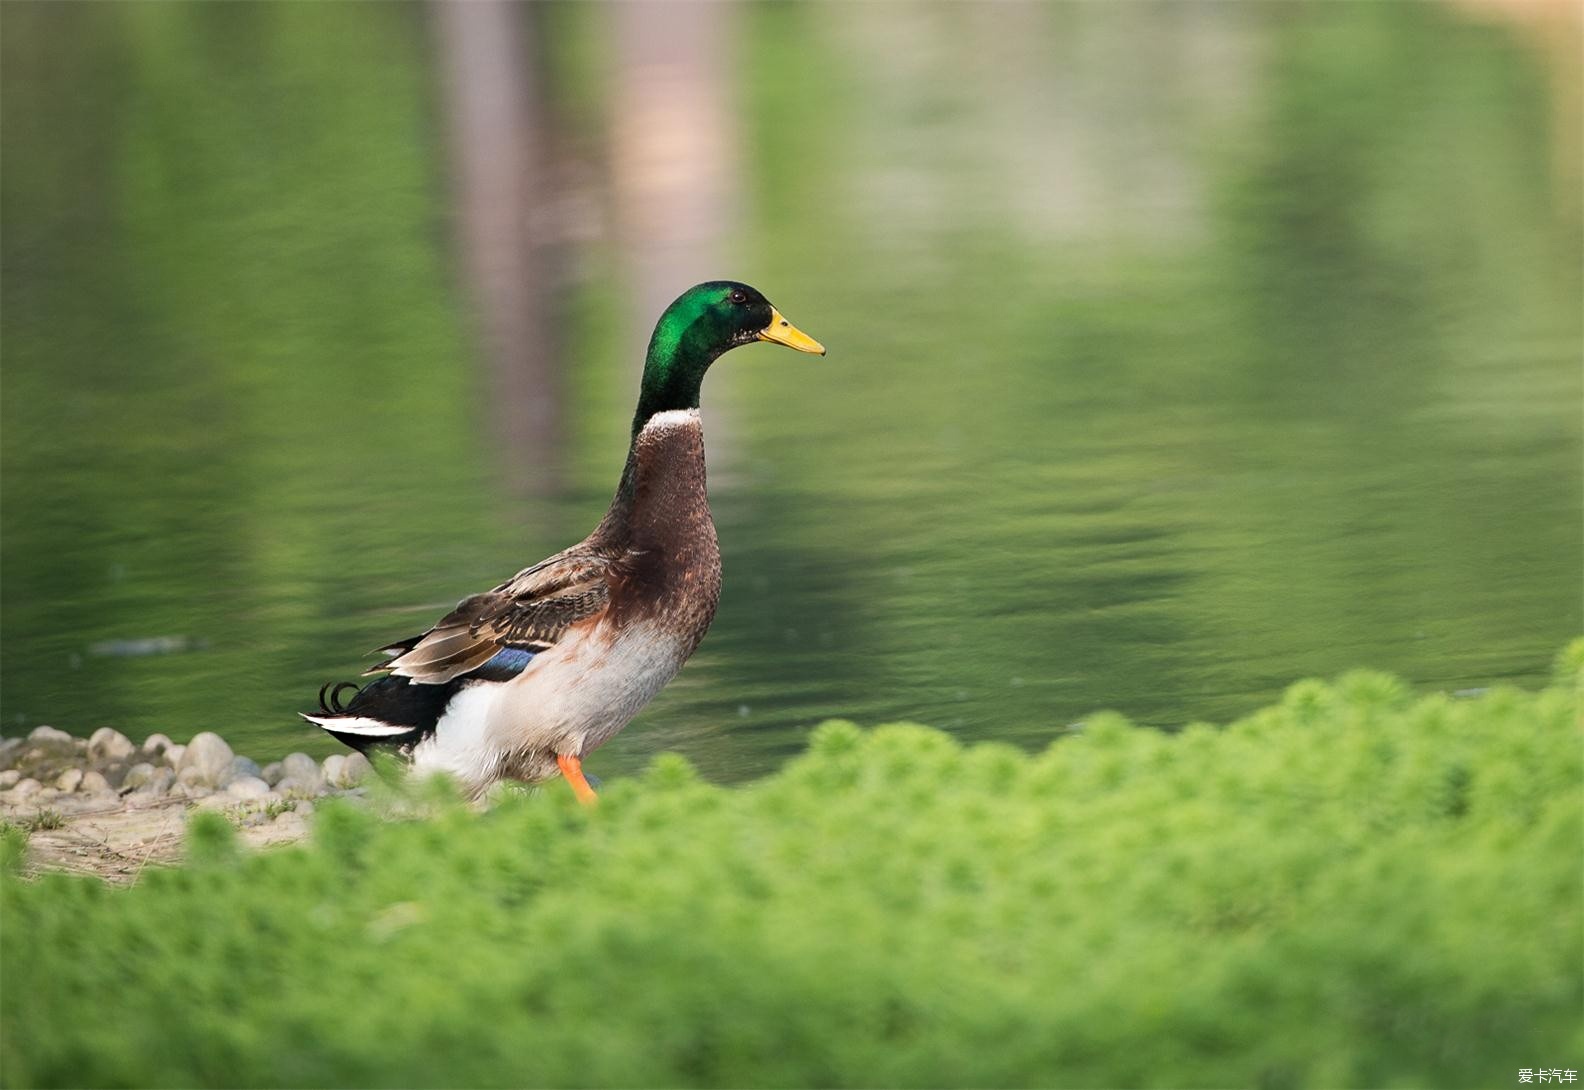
528, 612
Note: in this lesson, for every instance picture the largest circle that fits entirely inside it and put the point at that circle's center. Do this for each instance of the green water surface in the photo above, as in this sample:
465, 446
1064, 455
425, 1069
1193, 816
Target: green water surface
1176, 352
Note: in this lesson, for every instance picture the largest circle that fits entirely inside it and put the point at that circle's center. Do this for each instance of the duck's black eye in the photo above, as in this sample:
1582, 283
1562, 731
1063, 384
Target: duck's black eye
739, 296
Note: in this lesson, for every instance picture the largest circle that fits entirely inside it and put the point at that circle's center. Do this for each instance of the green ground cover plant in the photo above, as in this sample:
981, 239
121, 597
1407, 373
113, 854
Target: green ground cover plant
1353, 887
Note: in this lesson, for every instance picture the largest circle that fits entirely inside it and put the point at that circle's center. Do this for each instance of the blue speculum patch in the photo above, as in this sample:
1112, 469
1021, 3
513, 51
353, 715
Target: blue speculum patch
506, 664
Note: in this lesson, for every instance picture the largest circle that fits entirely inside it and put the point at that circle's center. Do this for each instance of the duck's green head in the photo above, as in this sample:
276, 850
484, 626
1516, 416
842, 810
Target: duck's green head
705, 321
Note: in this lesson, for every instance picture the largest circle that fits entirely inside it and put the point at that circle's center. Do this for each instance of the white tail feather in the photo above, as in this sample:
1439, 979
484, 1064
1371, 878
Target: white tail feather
372, 728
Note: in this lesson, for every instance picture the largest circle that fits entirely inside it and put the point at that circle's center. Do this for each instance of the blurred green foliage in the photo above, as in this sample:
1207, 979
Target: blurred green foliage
1353, 887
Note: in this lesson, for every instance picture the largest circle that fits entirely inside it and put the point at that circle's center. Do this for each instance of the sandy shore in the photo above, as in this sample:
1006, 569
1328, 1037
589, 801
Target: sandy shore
107, 806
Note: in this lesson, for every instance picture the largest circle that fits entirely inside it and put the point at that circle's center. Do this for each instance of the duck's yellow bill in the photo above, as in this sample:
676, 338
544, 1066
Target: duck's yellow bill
784, 332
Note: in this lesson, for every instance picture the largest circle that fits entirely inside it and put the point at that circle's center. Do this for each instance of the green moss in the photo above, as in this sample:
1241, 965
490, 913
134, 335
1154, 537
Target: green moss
1354, 886
211, 839
13, 846
44, 819
278, 807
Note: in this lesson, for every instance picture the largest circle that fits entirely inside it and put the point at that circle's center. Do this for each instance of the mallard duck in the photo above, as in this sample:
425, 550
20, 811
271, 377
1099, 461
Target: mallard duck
524, 681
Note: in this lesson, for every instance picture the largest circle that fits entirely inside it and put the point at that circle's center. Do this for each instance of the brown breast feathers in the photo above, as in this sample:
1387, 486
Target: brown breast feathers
670, 571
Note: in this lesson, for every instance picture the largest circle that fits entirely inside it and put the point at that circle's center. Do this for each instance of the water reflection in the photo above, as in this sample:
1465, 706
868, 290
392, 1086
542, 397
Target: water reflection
1152, 385
504, 173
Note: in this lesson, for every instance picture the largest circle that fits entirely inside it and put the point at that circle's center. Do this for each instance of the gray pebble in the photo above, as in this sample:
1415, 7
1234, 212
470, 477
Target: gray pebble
156, 743
137, 776
247, 787
272, 773
332, 768
106, 744
173, 755
245, 766
115, 771
356, 769
160, 782
25, 789
94, 783
10, 750
49, 734
70, 780
304, 771
291, 821
206, 761
194, 783
9, 779
293, 788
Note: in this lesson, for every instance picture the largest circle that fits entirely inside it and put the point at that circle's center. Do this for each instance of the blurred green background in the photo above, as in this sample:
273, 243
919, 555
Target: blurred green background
1177, 351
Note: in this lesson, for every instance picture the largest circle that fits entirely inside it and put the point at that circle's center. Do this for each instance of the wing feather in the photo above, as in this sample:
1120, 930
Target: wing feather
530, 612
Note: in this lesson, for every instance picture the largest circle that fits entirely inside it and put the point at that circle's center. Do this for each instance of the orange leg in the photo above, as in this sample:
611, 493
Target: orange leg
572, 769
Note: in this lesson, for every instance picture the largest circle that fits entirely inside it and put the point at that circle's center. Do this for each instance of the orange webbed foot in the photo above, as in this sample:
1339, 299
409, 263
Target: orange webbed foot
572, 769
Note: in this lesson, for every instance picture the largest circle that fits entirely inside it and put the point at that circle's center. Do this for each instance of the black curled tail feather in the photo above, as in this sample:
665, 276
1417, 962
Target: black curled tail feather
330, 701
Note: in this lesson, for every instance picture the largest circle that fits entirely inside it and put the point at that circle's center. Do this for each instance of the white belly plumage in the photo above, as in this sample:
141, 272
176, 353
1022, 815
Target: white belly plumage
569, 700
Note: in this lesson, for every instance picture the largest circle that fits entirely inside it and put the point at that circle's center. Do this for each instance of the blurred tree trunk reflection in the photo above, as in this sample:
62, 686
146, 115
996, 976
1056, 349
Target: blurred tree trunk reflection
501, 169
1554, 29
677, 181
